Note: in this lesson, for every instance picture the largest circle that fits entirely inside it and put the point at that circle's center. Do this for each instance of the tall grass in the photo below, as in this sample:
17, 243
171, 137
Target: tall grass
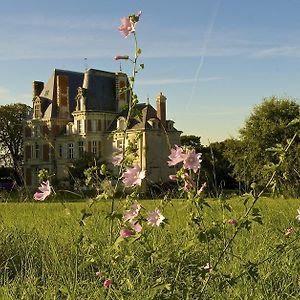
46, 254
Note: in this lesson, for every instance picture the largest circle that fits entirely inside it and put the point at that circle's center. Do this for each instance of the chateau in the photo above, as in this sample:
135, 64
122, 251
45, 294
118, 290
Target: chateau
76, 112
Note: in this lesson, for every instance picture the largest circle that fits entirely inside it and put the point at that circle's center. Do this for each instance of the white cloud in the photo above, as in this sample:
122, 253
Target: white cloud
286, 51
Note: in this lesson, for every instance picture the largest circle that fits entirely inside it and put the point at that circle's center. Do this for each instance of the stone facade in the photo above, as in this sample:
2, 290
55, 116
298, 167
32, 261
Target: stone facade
77, 112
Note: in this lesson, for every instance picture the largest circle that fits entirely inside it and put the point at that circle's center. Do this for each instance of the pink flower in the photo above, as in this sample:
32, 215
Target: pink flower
107, 283
44, 191
125, 233
289, 231
133, 176
173, 177
99, 274
192, 160
128, 24
176, 156
155, 218
136, 226
121, 57
130, 214
232, 221
138, 14
298, 216
117, 159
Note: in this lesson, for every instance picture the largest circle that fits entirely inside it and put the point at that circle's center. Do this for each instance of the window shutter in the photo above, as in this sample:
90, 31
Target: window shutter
99, 125
99, 149
89, 125
45, 152
28, 176
27, 152
27, 131
89, 146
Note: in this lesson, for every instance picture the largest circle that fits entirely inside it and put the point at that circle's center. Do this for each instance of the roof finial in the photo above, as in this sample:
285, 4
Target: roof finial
85, 64
120, 67
148, 101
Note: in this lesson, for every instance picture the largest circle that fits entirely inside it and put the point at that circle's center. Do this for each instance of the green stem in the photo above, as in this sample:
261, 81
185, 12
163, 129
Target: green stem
245, 216
130, 108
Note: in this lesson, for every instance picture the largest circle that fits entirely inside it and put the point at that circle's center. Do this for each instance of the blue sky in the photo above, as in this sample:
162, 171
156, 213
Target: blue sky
213, 59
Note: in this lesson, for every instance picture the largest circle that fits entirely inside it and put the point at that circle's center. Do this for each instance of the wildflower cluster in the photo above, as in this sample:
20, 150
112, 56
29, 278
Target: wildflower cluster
133, 218
132, 224
191, 162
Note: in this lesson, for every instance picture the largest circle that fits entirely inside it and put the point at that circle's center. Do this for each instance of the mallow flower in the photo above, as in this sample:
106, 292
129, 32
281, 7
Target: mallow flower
192, 160
118, 57
107, 283
44, 190
128, 24
133, 176
155, 218
124, 233
131, 213
176, 156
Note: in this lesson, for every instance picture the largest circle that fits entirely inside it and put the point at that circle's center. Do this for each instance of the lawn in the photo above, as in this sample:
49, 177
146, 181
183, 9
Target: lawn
47, 252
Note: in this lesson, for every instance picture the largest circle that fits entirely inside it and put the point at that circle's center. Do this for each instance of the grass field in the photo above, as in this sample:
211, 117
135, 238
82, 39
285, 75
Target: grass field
46, 254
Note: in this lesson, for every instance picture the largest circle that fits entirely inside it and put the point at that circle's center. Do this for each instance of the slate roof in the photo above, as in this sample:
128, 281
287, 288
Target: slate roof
50, 89
100, 91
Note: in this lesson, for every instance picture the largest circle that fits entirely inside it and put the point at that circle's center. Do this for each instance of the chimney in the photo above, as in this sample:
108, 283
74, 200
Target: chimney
37, 88
161, 108
63, 95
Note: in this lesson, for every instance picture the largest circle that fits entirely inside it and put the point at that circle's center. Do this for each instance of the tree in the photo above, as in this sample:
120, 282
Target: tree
267, 129
216, 168
193, 141
12, 117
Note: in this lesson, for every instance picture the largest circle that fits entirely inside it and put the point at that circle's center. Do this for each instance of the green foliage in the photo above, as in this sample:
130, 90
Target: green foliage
11, 133
262, 144
192, 141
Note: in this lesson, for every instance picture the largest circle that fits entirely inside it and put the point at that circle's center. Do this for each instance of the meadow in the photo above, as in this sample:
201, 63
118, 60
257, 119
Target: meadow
47, 253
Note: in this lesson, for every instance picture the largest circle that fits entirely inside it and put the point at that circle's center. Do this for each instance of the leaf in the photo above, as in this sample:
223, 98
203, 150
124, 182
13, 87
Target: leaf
85, 214
138, 51
252, 270
256, 215
246, 224
294, 122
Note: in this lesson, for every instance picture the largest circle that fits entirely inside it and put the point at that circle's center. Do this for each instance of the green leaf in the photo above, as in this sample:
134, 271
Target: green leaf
246, 224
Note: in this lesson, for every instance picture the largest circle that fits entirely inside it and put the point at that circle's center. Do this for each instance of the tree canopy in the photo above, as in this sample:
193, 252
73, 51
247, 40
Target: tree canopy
12, 117
268, 128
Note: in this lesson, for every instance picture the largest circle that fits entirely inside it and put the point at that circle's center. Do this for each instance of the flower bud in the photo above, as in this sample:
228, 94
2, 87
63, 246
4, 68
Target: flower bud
117, 57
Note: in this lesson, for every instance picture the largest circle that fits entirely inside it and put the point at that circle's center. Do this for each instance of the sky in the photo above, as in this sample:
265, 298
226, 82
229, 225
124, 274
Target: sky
214, 60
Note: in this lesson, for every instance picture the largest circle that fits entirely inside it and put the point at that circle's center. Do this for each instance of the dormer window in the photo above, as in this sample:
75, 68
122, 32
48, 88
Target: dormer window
170, 125
153, 123
69, 128
121, 123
